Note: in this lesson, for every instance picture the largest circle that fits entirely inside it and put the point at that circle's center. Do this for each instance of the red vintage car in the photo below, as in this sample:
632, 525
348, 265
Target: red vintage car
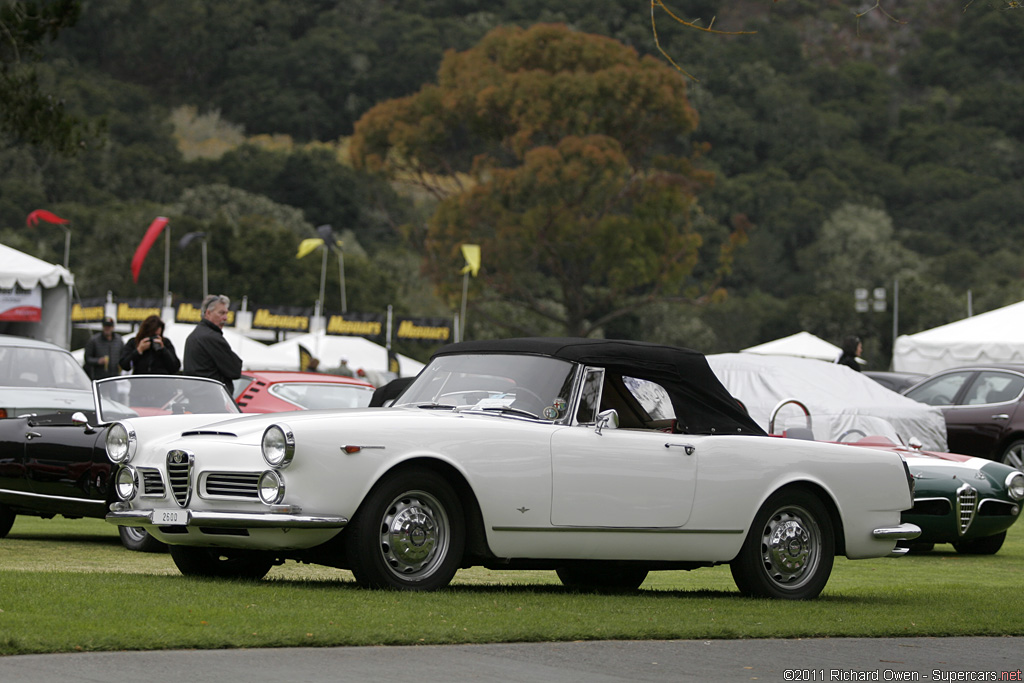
273, 391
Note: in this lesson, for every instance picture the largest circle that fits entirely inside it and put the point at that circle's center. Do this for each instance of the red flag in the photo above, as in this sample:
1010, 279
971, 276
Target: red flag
147, 241
44, 215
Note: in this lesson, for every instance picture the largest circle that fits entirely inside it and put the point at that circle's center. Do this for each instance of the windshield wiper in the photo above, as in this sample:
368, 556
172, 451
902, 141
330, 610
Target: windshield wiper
509, 409
433, 406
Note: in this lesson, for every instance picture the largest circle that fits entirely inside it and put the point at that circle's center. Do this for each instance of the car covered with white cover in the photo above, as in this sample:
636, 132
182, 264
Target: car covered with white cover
599, 459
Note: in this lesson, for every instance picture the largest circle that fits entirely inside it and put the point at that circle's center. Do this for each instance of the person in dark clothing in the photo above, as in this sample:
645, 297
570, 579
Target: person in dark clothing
207, 352
149, 352
103, 351
852, 348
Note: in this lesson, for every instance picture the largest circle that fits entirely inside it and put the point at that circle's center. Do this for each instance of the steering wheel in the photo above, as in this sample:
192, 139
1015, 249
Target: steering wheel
851, 431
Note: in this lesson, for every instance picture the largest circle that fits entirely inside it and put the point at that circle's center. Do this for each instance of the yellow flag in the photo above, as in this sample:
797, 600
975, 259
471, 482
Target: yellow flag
471, 252
308, 245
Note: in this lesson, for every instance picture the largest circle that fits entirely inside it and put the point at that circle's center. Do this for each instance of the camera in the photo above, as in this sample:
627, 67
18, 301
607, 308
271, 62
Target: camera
155, 344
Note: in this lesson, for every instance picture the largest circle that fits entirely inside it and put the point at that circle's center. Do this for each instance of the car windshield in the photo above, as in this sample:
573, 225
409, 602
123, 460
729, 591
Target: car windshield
318, 395
533, 385
22, 366
144, 395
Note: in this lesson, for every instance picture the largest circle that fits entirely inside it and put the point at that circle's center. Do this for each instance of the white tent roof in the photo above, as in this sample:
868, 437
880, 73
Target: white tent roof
838, 397
801, 344
28, 271
330, 349
992, 337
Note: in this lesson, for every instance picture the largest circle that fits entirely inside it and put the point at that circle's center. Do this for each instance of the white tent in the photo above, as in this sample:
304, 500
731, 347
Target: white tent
55, 282
801, 345
840, 399
330, 349
992, 337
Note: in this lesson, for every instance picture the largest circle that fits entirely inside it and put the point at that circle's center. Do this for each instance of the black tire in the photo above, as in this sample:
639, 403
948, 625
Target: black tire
601, 577
408, 534
221, 563
986, 545
789, 551
6, 520
915, 548
1013, 455
138, 539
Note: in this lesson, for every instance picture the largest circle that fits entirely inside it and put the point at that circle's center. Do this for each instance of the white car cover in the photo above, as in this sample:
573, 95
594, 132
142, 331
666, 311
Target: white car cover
838, 398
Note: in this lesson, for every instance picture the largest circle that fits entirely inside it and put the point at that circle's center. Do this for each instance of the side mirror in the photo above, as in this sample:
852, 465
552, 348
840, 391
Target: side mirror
607, 419
79, 419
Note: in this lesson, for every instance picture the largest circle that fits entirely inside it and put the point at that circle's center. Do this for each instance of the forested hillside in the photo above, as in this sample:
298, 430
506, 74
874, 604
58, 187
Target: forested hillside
827, 152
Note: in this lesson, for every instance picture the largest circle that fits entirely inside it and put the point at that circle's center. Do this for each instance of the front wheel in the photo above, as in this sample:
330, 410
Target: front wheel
138, 539
6, 520
220, 563
409, 533
789, 550
1014, 455
986, 545
600, 576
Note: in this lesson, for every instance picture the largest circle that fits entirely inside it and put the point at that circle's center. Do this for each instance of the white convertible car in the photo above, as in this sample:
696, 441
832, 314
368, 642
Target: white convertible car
599, 459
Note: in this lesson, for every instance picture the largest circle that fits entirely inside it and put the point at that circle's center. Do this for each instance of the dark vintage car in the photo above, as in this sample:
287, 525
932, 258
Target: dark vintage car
55, 462
982, 408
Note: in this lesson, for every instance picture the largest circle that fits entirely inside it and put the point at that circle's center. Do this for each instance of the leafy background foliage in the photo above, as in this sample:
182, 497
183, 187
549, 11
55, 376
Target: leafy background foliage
832, 152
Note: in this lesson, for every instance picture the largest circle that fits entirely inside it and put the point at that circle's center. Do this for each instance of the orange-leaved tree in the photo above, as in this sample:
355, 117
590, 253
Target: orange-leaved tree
567, 158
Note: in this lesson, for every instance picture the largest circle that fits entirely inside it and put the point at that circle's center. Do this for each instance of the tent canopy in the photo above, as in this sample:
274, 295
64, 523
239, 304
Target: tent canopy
801, 345
27, 271
993, 337
55, 283
840, 399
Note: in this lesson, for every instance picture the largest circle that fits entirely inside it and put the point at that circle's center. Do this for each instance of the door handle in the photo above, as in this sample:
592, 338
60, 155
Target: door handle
32, 435
1001, 416
689, 448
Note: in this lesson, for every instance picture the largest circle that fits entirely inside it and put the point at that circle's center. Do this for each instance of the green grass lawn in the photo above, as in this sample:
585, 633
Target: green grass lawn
67, 585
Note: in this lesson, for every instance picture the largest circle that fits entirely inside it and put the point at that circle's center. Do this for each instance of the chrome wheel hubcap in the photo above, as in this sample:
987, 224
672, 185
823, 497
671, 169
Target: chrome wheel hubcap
1015, 457
414, 535
790, 547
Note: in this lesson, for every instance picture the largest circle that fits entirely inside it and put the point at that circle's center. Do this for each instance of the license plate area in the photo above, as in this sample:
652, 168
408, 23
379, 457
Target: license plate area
170, 517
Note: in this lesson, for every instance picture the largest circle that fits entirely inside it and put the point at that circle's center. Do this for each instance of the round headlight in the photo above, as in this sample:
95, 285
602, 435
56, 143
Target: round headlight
271, 487
278, 445
120, 442
127, 482
1015, 485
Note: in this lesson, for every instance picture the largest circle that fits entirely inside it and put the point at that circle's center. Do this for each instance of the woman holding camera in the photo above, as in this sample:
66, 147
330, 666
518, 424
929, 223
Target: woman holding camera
148, 352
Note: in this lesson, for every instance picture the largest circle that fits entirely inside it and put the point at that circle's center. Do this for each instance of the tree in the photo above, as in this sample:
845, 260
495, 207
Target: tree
566, 157
26, 112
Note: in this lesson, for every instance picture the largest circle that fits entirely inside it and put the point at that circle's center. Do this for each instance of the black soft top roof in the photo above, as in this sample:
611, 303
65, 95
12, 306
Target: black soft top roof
701, 403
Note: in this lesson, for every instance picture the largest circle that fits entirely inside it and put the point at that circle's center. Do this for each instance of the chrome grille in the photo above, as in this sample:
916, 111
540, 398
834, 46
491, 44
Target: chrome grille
966, 505
179, 475
232, 485
152, 484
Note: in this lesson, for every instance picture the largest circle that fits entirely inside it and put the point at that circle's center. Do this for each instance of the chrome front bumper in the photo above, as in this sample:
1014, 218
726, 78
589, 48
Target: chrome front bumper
232, 520
903, 532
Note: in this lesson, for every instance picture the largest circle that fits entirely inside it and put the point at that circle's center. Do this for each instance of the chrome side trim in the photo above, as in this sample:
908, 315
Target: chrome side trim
29, 495
234, 520
903, 532
616, 530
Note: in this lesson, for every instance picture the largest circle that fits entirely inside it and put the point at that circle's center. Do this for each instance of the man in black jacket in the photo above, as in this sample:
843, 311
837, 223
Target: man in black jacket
207, 352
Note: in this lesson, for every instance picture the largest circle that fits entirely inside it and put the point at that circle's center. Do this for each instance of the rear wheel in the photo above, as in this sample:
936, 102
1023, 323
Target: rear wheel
789, 550
138, 539
1014, 455
221, 563
986, 545
409, 533
6, 520
600, 576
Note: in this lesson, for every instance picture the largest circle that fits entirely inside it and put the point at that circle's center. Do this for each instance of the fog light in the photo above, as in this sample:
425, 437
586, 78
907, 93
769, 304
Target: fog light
271, 487
127, 482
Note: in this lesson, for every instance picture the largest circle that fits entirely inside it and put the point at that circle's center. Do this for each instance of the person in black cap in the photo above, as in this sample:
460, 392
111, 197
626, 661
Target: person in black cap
103, 351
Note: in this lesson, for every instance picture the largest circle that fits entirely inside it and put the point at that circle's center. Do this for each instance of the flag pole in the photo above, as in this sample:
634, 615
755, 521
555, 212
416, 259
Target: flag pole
167, 260
206, 286
341, 274
465, 292
67, 246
